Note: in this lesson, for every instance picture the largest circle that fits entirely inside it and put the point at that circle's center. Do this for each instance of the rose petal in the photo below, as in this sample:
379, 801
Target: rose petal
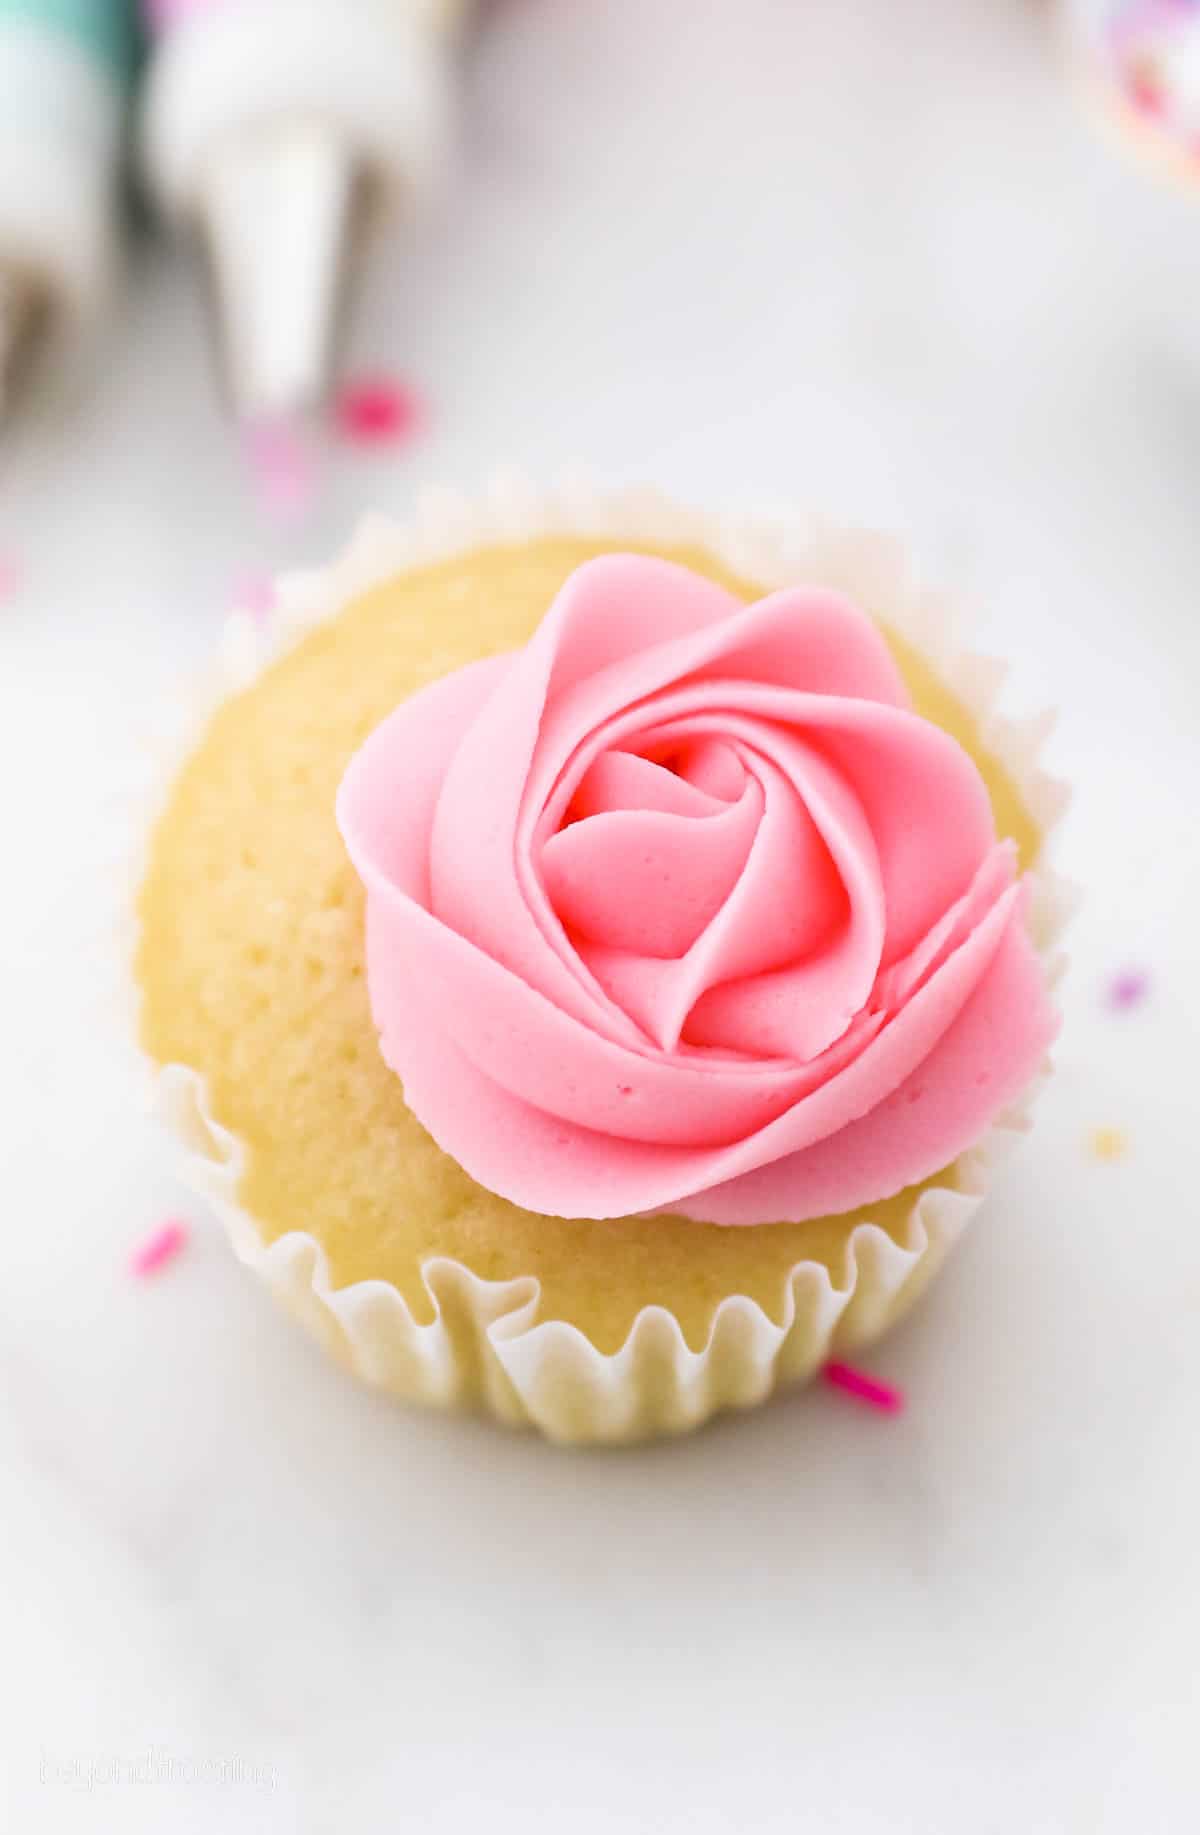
903, 978
806, 638
486, 780
541, 1054
624, 780
803, 880
735, 996
619, 609
388, 795
648, 881
623, 627
924, 802
711, 764
982, 1062
443, 1007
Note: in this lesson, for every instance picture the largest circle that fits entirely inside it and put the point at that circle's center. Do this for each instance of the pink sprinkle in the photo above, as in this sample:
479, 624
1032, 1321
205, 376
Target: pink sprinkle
10, 577
1128, 989
1144, 90
281, 467
160, 1247
374, 411
255, 594
864, 1388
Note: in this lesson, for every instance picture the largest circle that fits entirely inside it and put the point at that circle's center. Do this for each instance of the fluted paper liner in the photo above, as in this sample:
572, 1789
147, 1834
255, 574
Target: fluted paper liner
485, 1345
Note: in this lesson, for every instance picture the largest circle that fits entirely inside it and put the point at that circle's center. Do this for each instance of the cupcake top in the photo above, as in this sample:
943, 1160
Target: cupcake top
681, 907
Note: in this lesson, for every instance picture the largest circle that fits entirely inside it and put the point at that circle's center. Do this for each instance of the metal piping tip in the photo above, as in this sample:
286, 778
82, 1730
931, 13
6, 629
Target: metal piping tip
21, 319
281, 221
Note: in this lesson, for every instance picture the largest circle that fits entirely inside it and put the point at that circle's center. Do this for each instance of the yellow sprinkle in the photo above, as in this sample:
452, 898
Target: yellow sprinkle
1108, 1144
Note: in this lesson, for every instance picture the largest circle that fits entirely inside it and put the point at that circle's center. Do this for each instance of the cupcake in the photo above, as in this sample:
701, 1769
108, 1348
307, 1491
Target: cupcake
596, 956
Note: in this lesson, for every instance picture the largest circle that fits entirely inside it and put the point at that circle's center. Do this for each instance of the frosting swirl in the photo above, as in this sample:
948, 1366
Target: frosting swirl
682, 908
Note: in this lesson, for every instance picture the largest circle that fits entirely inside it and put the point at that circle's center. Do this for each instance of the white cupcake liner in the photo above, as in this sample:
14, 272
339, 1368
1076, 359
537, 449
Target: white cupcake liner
485, 1345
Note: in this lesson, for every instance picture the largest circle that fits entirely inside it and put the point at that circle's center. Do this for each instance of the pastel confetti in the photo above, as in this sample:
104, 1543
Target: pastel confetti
255, 595
282, 469
160, 1247
1128, 989
378, 411
863, 1388
1108, 1144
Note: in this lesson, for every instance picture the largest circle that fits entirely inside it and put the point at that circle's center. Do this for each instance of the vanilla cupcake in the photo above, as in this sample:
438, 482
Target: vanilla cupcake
595, 961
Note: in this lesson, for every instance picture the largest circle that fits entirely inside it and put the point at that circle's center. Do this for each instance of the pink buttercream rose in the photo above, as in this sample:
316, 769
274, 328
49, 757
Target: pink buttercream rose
682, 908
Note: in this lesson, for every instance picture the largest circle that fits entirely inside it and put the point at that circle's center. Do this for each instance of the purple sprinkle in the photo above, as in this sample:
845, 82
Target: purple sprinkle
1128, 989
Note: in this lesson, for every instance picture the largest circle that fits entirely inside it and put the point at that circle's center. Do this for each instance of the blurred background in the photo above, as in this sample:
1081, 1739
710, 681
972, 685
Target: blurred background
931, 265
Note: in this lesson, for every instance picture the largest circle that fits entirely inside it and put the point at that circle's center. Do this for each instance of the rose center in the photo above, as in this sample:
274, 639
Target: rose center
685, 863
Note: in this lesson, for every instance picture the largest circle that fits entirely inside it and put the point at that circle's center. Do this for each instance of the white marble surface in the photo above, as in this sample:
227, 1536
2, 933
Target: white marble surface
857, 255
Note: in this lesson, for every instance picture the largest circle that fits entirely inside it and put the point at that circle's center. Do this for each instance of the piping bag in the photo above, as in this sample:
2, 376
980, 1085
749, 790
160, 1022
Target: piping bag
273, 133
64, 72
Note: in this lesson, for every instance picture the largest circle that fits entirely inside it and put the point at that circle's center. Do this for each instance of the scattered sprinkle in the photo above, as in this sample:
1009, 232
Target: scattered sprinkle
282, 469
1128, 989
1108, 1144
864, 1388
377, 411
161, 1246
1144, 88
254, 594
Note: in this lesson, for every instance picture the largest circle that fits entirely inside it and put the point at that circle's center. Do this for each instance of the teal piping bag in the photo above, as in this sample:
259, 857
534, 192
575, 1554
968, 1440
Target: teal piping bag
65, 68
